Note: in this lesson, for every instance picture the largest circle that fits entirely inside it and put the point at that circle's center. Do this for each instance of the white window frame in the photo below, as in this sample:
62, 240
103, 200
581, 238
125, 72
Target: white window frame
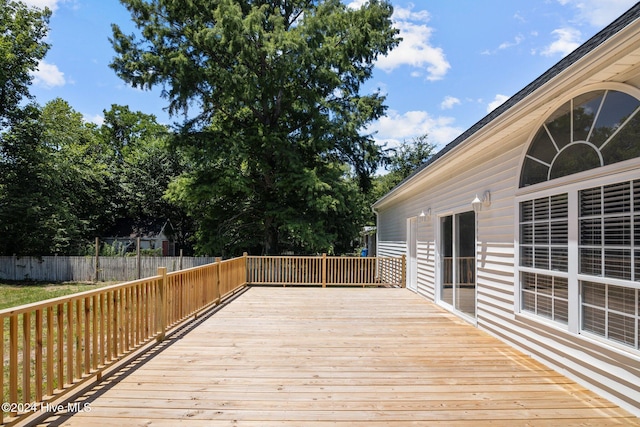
438, 259
627, 171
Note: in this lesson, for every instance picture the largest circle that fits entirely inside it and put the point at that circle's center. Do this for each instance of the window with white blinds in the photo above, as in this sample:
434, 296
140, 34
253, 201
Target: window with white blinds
610, 248
605, 235
608, 222
544, 228
611, 312
546, 296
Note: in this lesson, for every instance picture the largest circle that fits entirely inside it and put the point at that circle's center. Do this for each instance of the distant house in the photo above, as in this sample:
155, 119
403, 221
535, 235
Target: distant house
368, 240
528, 224
154, 235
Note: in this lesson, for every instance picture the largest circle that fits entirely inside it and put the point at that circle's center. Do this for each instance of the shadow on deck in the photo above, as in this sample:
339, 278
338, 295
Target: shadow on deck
339, 356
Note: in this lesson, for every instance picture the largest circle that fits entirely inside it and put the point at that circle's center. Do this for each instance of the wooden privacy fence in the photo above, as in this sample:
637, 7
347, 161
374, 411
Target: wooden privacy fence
49, 348
326, 271
86, 268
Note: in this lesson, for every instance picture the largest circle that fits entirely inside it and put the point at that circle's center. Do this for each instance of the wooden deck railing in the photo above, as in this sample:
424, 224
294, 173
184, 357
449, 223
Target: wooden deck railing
465, 271
325, 271
51, 347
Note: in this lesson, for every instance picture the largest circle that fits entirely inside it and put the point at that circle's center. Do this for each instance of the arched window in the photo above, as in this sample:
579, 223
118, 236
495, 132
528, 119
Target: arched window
595, 129
579, 240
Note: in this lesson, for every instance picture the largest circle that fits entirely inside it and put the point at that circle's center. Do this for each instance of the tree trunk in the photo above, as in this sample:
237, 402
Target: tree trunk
270, 237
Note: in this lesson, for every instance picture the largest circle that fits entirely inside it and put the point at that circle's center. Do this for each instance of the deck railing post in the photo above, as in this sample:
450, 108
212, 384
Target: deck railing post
245, 257
404, 271
218, 293
96, 276
324, 270
162, 304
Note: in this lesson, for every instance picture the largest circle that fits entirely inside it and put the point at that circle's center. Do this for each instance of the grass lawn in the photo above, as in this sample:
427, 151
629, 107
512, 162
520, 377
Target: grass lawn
18, 293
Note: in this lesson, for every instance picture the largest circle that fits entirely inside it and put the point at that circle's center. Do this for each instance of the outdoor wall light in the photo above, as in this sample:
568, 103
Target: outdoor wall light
424, 215
477, 204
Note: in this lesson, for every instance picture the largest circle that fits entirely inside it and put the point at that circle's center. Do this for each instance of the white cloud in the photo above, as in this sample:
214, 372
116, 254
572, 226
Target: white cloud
97, 119
497, 101
516, 41
505, 45
51, 4
414, 49
567, 40
519, 17
356, 4
48, 75
599, 13
449, 102
395, 127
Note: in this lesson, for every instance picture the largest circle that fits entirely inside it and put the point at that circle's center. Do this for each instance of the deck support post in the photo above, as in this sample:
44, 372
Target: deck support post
162, 304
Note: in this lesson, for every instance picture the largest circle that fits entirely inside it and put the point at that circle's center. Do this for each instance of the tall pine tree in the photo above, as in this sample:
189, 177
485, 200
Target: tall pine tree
272, 90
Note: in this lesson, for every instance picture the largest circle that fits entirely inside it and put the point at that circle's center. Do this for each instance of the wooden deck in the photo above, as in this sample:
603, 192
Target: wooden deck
320, 357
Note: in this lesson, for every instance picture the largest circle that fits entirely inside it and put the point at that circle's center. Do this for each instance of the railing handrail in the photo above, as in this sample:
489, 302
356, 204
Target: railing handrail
72, 297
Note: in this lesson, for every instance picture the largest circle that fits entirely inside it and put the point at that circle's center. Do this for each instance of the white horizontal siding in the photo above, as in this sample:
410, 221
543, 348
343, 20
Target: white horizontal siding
392, 249
426, 269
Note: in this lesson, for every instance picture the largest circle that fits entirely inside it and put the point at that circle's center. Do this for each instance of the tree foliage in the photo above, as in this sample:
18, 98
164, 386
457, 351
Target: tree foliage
401, 162
52, 182
22, 34
142, 164
276, 89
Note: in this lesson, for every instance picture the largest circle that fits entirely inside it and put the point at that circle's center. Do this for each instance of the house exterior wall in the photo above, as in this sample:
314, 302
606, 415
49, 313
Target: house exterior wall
492, 161
607, 370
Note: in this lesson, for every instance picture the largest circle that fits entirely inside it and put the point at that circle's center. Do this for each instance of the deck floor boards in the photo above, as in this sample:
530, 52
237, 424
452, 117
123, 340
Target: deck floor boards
326, 357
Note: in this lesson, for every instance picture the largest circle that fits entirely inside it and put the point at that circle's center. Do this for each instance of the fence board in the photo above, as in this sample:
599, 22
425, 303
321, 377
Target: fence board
82, 268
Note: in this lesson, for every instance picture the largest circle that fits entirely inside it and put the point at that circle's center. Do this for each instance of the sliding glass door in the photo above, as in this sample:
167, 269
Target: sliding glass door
458, 262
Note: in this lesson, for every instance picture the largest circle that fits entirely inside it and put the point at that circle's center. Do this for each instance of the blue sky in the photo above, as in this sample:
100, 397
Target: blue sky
458, 60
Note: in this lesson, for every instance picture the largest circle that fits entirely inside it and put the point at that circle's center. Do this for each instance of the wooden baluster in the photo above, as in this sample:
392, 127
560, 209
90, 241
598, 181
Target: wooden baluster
26, 357
162, 301
69, 330
78, 339
50, 356
13, 361
87, 335
95, 332
60, 344
39, 377
126, 323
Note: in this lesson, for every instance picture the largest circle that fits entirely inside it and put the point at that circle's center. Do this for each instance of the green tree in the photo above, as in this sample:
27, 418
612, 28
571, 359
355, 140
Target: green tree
22, 162
401, 162
52, 193
279, 111
78, 173
142, 163
22, 31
